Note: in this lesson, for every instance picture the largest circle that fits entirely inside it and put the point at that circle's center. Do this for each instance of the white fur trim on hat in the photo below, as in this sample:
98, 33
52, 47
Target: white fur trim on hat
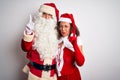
47, 9
65, 20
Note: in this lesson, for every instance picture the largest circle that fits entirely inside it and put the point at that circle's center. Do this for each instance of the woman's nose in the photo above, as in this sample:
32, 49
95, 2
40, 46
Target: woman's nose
63, 28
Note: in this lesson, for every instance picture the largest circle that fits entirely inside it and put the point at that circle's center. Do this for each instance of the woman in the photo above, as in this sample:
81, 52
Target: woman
69, 50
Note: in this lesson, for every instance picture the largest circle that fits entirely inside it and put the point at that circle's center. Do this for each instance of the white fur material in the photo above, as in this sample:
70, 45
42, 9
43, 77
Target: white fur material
47, 73
48, 10
65, 20
26, 69
45, 37
33, 77
27, 37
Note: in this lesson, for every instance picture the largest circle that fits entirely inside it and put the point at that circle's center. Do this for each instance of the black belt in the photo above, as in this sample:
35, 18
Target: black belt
43, 67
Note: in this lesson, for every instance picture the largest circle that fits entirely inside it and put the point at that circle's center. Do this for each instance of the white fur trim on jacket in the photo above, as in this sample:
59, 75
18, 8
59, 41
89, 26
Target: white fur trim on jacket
27, 37
49, 62
26, 69
33, 77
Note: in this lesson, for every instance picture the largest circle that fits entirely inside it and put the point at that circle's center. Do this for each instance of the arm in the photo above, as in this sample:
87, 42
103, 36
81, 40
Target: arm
27, 41
79, 57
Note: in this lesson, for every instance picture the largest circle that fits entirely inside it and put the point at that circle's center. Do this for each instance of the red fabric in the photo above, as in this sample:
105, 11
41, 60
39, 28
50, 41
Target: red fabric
33, 55
26, 46
74, 76
70, 58
78, 54
69, 69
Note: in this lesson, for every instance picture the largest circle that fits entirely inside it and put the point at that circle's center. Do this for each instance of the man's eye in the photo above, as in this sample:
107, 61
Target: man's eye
44, 13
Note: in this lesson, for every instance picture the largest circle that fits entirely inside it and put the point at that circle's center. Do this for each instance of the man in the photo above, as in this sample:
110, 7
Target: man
40, 43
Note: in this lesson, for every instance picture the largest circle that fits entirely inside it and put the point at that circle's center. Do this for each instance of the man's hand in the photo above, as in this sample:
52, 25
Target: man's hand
30, 26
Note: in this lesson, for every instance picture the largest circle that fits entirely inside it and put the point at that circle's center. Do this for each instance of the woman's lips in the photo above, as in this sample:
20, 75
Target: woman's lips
63, 32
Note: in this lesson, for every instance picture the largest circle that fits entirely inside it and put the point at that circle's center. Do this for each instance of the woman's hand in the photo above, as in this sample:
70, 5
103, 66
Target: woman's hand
79, 57
73, 38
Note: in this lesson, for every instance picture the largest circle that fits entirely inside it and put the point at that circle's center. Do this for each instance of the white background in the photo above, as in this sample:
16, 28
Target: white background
99, 24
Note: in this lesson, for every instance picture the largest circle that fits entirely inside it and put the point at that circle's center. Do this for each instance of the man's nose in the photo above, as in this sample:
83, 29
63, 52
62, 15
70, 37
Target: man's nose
46, 16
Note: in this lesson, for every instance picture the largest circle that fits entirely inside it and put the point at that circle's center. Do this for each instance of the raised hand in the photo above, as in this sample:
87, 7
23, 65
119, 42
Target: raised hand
30, 25
79, 57
73, 38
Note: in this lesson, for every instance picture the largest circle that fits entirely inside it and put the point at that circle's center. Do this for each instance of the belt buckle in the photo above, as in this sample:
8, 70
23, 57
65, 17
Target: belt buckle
46, 67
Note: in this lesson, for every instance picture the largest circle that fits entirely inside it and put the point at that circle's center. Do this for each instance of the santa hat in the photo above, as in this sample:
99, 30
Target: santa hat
50, 8
66, 17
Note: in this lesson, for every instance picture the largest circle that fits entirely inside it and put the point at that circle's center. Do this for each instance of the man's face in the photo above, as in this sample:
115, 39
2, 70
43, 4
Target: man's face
46, 15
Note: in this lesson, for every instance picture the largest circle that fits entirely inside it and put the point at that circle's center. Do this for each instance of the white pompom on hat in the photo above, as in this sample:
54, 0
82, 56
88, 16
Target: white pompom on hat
50, 8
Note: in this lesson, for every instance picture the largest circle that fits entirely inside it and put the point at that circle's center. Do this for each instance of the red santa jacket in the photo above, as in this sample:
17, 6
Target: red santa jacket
33, 55
67, 57
69, 62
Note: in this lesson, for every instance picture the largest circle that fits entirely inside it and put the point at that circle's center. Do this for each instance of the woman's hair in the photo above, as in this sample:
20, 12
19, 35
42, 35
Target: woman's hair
71, 28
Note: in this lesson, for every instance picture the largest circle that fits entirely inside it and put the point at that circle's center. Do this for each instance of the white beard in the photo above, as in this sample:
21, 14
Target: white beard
45, 37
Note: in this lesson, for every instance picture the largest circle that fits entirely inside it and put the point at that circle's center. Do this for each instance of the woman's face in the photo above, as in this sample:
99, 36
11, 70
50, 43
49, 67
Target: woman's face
64, 28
